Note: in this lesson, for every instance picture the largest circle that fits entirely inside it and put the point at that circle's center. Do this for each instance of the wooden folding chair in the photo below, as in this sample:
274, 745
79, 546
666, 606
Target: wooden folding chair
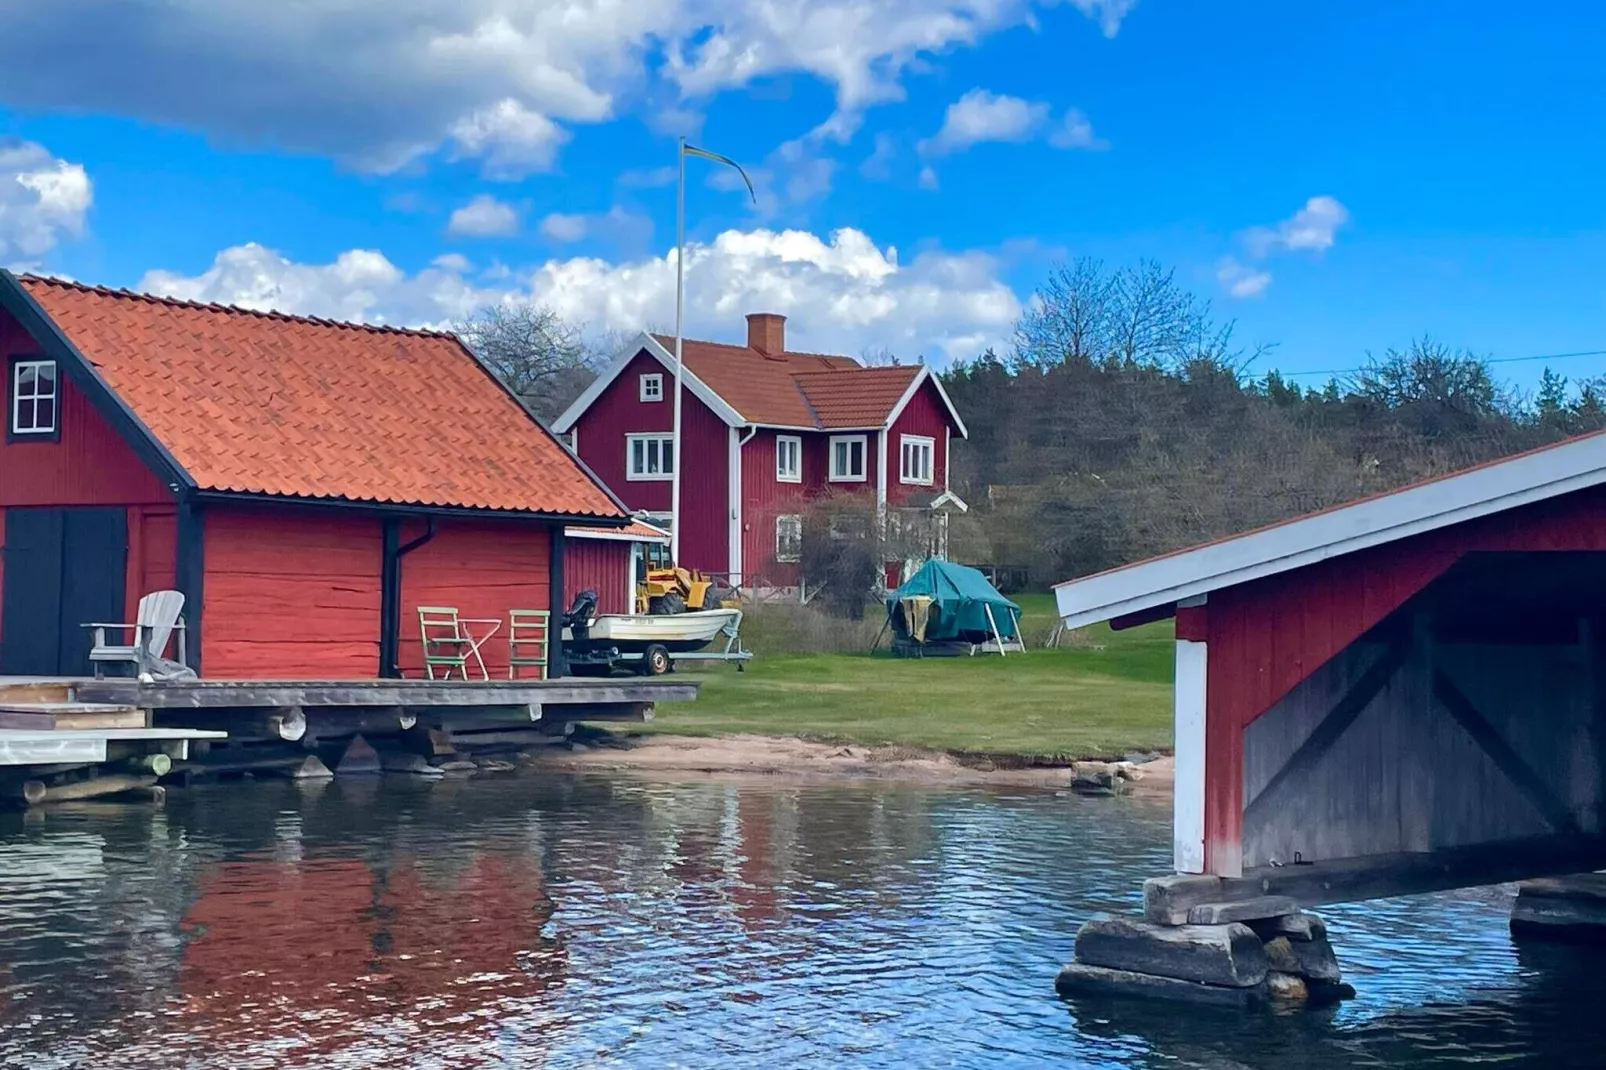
527, 635
445, 645
158, 619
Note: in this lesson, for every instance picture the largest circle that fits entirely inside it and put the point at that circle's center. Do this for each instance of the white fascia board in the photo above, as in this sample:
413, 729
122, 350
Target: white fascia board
701, 390
614, 536
1510, 484
645, 342
577, 408
924, 374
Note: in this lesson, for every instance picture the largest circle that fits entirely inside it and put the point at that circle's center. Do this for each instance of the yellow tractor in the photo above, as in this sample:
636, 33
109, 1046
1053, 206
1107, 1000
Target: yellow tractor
663, 587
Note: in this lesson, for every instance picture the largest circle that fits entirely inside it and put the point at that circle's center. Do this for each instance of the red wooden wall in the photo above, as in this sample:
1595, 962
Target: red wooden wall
483, 568
705, 464
90, 465
764, 498
925, 415
290, 593
601, 565
1266, 636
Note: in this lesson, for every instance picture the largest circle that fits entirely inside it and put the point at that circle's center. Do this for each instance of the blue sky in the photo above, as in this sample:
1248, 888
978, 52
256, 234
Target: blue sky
1339, 177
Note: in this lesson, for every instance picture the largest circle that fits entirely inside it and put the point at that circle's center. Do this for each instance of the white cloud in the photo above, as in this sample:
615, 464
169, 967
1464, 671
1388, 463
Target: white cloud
512, 140
561, 226
1075, 132
647, 178
379, 83
42, 200
928, 178
844, 294
484, 217
1240, 280
981, 115
878, 165
1314, 227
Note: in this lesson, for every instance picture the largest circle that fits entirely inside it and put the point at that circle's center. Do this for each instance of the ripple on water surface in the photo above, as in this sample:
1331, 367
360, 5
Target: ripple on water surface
568, 921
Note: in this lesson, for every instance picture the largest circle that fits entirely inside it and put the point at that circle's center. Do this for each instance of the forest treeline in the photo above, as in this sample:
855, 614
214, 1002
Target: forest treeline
1126, 422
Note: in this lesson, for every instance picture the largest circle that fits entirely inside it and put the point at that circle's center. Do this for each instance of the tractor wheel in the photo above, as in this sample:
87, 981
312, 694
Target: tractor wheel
666, 604
656, 661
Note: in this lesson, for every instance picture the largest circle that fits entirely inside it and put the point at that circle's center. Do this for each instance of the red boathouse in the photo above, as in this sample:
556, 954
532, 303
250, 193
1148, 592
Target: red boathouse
306, 484
1408, 691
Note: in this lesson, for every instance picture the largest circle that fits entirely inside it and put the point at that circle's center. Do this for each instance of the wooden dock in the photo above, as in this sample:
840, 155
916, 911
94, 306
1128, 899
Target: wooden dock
77, 738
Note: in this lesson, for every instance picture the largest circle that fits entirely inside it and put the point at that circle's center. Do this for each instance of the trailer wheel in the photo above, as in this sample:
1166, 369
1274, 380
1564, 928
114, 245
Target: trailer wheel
656, 661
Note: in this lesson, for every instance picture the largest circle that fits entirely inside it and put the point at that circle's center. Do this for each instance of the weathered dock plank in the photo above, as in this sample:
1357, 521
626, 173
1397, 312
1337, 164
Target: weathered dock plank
222, 694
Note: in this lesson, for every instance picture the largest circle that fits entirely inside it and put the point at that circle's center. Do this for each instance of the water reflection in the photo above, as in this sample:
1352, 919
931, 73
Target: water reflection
579, 921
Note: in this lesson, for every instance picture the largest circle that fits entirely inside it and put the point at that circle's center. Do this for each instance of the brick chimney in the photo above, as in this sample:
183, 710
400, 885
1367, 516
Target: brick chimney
766, 332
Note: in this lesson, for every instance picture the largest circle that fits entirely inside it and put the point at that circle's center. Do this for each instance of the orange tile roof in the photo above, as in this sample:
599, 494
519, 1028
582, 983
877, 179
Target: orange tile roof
265, 403
862, 399
795, 389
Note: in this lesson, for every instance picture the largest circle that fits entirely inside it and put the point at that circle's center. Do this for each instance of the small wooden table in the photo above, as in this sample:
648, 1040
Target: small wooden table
475, 642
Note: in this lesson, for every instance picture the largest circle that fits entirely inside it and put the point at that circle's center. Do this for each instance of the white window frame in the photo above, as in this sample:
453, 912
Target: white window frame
649, 440
795, 442
654, 380
795, 522
920, 443
864, 459
54, 397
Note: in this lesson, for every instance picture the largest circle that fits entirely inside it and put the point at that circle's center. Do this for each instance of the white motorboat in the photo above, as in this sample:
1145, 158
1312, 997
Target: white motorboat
675, 632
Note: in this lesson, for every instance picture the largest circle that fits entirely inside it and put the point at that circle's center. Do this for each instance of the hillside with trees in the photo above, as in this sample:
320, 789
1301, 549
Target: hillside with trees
1127, 422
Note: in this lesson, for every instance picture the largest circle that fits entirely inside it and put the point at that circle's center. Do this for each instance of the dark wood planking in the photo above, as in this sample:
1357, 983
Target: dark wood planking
1529, 783
1348, 880
223, 694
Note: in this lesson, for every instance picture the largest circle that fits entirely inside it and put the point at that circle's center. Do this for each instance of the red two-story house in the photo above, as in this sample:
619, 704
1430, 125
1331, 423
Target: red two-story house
763, 430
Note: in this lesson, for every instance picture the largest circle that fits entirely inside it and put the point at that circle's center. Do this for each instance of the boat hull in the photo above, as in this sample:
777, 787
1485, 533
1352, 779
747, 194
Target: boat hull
676, 632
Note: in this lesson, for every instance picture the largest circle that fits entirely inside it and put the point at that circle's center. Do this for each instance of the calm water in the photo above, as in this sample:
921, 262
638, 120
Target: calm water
593, 921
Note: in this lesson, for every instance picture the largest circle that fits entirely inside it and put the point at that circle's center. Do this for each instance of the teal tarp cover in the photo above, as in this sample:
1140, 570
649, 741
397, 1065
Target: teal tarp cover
960, 595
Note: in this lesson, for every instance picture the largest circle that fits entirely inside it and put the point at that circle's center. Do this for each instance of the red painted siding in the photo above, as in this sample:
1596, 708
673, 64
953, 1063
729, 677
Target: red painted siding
705, 464
483, 569
764, 498
291, 593
152, 553
927, 416
601, 565
1267, 636
90, 465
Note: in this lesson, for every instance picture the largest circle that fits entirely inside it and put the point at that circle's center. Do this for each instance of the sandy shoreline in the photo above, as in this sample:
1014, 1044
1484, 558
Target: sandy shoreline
769, 756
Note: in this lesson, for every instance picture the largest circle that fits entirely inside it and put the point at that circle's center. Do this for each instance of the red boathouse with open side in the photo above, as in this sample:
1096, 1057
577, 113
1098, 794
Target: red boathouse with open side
1414, 676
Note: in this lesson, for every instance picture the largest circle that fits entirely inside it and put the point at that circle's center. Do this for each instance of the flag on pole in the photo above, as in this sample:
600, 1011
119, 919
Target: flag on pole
693, 150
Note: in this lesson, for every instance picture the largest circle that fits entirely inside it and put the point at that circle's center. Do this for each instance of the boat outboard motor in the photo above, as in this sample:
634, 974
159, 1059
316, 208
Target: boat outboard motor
578, 619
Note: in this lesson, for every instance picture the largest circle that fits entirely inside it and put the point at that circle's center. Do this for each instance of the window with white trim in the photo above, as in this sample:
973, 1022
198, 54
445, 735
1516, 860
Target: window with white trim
847, 458
652, 387
649, 457
788, 459
34, 398
917, 452
788, 538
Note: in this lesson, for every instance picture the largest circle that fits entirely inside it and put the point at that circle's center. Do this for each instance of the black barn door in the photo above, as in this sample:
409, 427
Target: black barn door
63, 568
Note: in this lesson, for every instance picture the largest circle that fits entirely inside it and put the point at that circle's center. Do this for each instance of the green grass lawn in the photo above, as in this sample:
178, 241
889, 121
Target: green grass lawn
1103, 694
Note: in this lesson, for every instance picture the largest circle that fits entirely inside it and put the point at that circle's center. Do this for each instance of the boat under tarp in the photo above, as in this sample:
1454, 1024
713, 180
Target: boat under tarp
944, 607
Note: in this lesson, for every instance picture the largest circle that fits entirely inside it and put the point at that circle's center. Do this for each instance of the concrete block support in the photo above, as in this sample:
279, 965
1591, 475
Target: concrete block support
1283, 959
1570, 909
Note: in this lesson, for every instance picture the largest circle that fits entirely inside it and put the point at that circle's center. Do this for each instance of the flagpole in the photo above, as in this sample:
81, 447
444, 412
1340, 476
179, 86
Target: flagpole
680, 304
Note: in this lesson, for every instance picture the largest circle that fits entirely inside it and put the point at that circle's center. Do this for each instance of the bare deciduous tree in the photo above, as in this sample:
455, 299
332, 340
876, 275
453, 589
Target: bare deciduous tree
541, 358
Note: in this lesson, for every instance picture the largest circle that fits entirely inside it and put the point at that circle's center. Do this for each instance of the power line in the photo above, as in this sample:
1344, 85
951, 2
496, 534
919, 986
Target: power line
1495, 360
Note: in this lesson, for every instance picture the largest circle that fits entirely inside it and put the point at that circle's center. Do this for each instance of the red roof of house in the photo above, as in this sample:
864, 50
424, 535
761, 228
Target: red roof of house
796, 389
265, 403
